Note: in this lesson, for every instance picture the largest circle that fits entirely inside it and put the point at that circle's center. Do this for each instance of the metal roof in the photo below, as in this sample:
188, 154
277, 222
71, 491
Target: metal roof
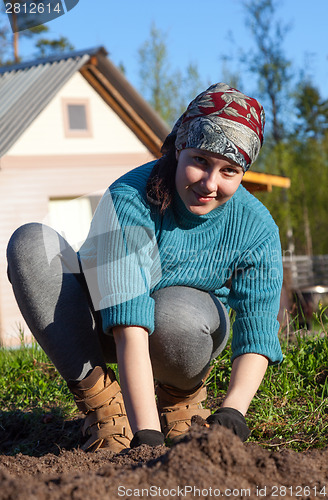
25, 90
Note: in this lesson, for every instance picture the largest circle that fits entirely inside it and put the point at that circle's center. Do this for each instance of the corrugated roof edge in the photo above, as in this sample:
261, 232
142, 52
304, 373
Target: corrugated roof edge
59, 57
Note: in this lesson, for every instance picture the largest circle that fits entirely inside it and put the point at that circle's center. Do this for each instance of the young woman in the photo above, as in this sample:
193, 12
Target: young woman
149, 287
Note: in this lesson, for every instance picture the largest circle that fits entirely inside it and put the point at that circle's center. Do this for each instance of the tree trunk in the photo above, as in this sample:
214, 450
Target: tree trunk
15, 38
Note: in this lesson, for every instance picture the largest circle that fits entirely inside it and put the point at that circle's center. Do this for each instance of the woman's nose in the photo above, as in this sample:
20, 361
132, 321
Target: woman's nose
210, 182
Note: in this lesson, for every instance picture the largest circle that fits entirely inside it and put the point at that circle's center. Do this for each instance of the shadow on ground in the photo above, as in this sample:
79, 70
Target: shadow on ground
37, 432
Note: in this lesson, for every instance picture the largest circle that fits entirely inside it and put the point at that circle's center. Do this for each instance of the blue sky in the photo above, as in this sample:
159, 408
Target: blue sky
196, 31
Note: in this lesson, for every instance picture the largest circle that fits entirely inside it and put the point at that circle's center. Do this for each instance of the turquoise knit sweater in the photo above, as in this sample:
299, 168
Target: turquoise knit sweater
132, 251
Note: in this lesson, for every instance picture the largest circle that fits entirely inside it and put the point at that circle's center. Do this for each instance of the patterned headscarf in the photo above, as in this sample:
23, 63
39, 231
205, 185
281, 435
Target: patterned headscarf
222, 120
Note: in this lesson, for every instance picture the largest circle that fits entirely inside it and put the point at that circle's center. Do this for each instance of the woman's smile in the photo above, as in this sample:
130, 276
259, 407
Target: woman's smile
203, 198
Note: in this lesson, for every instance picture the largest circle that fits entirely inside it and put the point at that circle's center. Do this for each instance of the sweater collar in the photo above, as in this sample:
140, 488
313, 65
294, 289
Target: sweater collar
188, 220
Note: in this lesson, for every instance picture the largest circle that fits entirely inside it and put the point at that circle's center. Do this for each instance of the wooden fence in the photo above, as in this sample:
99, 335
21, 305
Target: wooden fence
302, 271
305, 285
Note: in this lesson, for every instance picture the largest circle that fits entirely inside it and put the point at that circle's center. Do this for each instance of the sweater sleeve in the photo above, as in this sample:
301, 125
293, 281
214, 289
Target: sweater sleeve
126, 262
255, 297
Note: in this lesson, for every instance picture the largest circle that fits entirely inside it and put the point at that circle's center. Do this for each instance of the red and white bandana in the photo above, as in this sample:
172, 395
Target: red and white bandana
223, 120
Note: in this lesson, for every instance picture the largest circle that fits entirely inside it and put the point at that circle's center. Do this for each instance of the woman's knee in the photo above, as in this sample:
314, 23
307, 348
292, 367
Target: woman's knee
23, 237
35, 243
189, 323
21, 243
185, 309
182, 328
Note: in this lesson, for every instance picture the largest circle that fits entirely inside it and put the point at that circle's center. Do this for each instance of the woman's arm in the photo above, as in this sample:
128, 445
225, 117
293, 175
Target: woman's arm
246, 376
136, 377
247, 373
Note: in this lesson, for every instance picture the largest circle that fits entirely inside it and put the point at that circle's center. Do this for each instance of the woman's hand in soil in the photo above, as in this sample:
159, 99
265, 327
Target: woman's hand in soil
232, 419
147, 436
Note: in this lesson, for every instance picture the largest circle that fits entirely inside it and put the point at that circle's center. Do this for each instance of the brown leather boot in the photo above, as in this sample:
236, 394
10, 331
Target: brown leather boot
100, 398
176, 407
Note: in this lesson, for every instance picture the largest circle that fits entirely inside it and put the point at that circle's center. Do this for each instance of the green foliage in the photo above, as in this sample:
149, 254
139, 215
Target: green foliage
166, 90
301, 208
312, 111
160, 89
48, 47
268, 61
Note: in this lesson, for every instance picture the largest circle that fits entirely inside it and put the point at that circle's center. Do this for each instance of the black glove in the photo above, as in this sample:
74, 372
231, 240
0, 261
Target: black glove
232, 419
147, 436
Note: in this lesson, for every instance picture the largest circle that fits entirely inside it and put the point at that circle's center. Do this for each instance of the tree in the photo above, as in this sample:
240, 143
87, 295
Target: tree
312, 111
268, 61
5, 35
10, 42
231, 75
311, 167
271, 67
47, 47
305, 155
167, 90
159, 88
20, 35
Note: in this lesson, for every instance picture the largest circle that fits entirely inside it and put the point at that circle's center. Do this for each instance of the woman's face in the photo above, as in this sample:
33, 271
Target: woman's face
205, 180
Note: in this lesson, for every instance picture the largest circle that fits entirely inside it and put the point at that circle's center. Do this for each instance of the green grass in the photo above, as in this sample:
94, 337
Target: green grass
28, 380
290, 409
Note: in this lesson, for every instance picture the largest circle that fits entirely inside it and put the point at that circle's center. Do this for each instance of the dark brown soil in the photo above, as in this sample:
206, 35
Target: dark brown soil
207, 463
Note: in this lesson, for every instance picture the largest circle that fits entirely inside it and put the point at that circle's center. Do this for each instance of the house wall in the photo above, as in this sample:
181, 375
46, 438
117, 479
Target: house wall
44, 164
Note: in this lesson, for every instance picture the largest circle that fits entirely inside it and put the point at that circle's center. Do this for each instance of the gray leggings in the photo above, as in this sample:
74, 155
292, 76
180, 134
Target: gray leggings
191, 326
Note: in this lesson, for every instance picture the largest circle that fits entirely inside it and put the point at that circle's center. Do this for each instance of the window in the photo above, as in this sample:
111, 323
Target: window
76, 118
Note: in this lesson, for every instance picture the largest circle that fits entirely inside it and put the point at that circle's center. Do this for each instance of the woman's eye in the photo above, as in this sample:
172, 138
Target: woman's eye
230, 171
200, 159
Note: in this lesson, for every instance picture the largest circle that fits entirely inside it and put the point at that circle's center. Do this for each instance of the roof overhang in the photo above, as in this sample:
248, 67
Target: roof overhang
129, 105
259, 181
